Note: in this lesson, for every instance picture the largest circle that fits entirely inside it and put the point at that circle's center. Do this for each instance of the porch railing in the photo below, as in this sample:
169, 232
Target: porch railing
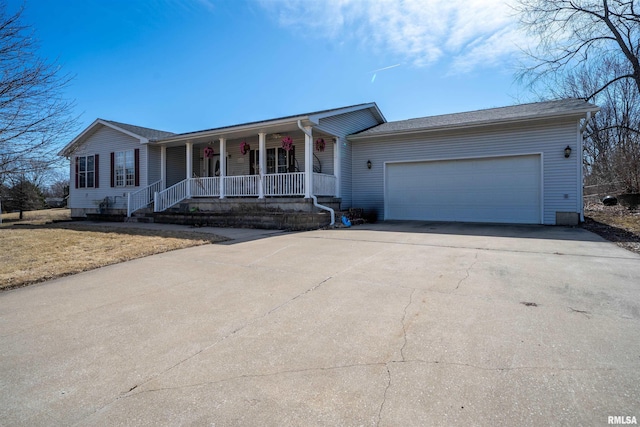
175, 194
142, 198
205, 187
284, 184
279, 184
243, 185
324, 185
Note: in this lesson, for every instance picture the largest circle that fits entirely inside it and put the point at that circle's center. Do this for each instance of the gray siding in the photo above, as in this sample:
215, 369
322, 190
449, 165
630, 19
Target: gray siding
560, 175
104, 141
154, 168
348, 123
176, 165
324, 159
341, 126
347, 174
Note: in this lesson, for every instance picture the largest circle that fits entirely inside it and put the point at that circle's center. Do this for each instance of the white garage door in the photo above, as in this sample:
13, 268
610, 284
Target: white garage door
497, 189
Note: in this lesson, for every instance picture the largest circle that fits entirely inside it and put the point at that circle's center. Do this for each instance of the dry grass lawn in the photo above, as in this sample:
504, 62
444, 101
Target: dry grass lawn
618, 224
38, 249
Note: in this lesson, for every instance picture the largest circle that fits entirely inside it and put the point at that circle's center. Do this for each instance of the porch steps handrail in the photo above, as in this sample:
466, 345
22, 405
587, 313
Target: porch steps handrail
142, 198
171, 196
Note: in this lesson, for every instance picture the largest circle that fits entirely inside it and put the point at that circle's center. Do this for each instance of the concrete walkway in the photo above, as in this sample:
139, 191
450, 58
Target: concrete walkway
389, 325
235, 235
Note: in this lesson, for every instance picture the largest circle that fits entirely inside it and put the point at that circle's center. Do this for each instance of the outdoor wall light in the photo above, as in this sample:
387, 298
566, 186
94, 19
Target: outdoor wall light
368, 164
567, 152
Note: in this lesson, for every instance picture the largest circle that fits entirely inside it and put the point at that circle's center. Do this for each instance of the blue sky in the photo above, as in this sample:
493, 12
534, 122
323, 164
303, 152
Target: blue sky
186, 65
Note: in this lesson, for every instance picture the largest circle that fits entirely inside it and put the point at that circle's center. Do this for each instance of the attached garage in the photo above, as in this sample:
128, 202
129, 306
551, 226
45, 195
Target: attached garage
494, 189
520, 164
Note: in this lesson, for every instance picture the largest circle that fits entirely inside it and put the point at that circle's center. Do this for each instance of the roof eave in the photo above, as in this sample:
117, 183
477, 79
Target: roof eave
224, 132
486, 123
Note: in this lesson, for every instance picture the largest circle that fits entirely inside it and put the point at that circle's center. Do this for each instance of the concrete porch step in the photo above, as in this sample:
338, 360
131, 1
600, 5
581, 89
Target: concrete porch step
297, 221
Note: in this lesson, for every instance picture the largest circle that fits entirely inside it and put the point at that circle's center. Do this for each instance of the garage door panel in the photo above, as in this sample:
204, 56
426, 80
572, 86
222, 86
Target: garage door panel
502, 189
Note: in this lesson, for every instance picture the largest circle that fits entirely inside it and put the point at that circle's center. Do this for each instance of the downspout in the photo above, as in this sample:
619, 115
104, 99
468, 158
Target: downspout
313, 197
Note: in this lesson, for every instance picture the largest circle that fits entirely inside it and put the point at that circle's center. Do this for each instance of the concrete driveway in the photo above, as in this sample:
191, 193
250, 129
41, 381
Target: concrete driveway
392, 324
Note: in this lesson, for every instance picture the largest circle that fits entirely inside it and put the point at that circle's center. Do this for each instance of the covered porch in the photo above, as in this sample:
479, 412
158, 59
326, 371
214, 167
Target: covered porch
262, 161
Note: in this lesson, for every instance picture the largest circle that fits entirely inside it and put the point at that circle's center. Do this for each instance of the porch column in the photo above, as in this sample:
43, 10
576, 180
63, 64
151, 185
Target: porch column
189, 146
223, 164
308, 162
163, 166
262, 161
337, 164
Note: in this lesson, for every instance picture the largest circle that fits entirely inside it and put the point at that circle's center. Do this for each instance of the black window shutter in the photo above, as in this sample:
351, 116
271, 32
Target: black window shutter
96, 174
113, 175
77, 170
136, 159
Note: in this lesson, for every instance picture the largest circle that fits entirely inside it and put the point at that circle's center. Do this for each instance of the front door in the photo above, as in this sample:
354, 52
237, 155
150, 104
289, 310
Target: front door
210, 166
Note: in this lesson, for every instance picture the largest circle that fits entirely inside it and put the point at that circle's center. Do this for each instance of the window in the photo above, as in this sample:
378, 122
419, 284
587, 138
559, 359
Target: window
124, 168
87, 171
279, 162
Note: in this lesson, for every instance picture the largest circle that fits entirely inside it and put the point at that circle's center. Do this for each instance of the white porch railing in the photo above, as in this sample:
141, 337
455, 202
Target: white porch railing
284, 184
142, 198
243, 185
324, 185
279, 184
205, 187
175, 194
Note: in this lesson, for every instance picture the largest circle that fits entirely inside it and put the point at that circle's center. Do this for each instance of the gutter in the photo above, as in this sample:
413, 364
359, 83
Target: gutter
314, 198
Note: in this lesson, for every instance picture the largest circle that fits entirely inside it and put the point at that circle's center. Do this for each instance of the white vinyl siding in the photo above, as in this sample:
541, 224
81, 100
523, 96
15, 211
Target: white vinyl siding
103, 142
560, 176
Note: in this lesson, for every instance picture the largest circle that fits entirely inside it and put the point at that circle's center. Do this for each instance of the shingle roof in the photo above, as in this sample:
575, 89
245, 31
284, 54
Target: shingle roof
314, 113
484, 117
150, 134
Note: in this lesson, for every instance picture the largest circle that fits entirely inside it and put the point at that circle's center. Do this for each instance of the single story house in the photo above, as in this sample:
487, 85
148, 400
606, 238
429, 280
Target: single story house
517, 164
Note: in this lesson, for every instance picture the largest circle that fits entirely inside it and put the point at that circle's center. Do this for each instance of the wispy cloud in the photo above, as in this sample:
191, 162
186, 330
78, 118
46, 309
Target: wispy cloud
466, 33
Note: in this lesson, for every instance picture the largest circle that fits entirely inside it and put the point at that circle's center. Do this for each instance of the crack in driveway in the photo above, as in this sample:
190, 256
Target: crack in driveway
467, 271
230, 334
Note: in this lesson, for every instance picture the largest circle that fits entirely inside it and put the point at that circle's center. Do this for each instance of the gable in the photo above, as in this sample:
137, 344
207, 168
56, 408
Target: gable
104, 140
94, 128
347, 123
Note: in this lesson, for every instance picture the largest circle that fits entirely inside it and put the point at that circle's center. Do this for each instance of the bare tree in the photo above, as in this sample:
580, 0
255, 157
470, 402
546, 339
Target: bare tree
590, 49
612, 138
35, 119
573, 33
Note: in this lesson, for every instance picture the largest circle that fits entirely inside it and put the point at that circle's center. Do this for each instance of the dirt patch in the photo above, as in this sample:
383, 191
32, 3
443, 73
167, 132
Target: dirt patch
36, 250
617, 224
